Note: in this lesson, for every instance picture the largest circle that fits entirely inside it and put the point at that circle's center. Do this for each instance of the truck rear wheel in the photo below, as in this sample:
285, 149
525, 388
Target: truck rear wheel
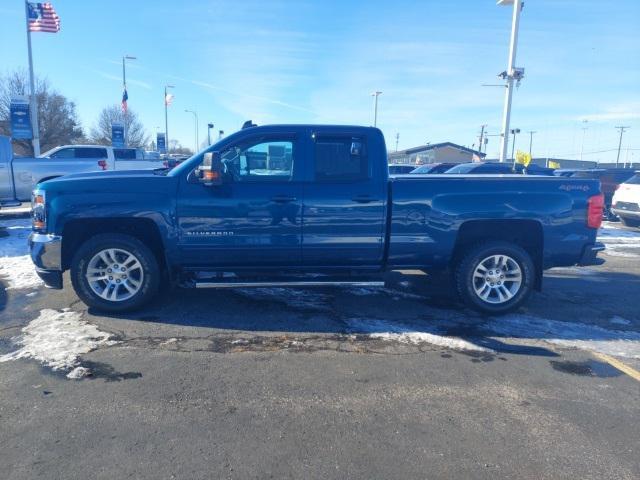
115, 273
495, 277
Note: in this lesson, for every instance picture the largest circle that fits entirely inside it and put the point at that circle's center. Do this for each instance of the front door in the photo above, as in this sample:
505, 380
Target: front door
254, 219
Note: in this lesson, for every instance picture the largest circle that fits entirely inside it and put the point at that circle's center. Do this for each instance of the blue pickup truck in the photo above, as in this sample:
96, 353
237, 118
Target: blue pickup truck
306, 205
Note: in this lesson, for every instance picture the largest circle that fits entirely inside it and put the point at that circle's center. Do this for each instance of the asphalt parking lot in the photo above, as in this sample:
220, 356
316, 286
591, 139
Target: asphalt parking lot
400, 382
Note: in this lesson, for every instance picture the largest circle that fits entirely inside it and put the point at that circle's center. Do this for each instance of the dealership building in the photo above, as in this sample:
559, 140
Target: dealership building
446, 152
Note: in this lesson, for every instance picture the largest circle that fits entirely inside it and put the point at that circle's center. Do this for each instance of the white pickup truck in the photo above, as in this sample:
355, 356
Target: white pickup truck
19, 175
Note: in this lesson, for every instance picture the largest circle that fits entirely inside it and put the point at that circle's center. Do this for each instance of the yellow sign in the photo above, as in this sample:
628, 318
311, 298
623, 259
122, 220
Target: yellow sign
523, 158
553, 164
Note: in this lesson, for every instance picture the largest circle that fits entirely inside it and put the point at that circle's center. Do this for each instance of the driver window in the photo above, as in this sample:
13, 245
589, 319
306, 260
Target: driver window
265, 160
64, 153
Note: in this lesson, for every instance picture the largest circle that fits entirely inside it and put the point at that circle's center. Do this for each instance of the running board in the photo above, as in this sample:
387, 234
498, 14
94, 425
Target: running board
311, 283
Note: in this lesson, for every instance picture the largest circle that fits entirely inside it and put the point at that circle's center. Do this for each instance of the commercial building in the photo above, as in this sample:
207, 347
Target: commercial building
445, 152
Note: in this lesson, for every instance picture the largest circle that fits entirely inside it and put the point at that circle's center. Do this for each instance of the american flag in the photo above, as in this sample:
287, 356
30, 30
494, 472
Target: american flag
43, 18
125, 97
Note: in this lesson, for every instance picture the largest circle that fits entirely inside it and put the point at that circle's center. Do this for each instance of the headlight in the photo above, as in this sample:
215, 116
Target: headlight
38, 211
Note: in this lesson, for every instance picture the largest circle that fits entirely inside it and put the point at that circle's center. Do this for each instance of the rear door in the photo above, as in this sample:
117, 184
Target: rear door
345, 201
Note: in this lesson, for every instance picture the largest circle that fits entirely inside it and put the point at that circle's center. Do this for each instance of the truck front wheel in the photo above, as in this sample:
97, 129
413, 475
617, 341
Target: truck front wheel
495, 277
115, 273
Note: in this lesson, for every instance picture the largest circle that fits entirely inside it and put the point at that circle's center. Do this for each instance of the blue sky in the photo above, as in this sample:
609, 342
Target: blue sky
318, 61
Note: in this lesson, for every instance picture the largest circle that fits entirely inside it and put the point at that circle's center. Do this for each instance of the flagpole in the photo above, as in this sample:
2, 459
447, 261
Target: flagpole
32, 98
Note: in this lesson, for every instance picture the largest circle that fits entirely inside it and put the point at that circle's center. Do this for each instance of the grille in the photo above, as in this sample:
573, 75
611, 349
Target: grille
630, 207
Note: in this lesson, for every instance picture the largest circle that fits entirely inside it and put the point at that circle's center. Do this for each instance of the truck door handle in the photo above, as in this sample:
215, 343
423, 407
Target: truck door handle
283, 199
363, 198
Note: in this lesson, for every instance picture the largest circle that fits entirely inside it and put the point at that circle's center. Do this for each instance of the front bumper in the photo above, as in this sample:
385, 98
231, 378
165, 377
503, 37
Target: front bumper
46, 254
590, 254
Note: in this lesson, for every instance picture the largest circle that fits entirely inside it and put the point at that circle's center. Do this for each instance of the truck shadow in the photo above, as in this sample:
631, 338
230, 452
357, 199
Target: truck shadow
572, 310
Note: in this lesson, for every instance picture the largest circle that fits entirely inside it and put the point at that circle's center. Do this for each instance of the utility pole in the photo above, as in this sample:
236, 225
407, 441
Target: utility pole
481, 138
375, 94
512, 73
531, 132
166, 121
397, 140
622, 129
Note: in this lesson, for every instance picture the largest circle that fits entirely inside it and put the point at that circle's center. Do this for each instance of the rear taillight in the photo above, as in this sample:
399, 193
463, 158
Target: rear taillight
102, 164
595, 211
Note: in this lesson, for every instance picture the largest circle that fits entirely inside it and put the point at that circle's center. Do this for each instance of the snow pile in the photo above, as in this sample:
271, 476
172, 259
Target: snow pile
403, 333
57, 339
567, 334
15, 263
620, 242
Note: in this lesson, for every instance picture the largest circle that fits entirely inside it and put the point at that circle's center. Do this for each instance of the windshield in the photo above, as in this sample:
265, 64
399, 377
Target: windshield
463, 168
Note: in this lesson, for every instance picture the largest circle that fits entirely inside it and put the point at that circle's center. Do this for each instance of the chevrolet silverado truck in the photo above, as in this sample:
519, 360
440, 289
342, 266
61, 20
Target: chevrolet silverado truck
302, 206
19, 175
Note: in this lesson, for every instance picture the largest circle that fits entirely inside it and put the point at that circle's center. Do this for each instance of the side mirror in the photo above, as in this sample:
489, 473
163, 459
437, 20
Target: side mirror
209, 173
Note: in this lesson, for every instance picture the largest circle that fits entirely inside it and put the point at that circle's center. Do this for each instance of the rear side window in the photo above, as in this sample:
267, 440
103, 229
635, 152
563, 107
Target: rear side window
91, 153
341, 159
124, 153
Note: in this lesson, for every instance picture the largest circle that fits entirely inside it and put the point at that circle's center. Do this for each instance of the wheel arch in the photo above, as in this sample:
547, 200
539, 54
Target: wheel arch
528, 234
78, 231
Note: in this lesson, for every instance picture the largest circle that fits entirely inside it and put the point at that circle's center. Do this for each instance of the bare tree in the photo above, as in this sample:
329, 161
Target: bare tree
101, 131
57, 118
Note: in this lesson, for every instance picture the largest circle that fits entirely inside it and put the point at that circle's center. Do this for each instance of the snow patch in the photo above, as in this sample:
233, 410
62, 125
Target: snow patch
398, 332
15, 263
57, 339
567, 334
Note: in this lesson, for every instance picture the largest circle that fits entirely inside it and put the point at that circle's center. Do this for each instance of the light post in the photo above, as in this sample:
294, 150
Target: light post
514, 132
512, 73
195, 118
167, 101
209, 127
220, 134
622, 129
375, 94
531, 132
584, 134
125, 95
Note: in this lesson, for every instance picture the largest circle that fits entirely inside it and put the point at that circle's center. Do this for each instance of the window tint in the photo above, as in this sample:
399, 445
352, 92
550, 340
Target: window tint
264, 160
64, 153
635, 180
340, 158
91, 153
124, 153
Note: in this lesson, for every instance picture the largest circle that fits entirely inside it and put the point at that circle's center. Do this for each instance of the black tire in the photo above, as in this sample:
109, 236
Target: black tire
630, 222
150, 281
466, 267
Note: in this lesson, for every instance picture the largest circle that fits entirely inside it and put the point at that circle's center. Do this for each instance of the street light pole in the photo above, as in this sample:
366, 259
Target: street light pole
510, 75
195, 117
514, 131
209, 127
124, 87
622, 129
166, 118
375, 94
584, 134
531, 132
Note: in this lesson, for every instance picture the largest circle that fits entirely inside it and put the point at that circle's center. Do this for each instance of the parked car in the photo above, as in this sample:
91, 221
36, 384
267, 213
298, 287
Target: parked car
626, 202
399, 169
610, 179
433, 168
333, 214
483, 168
19, 175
